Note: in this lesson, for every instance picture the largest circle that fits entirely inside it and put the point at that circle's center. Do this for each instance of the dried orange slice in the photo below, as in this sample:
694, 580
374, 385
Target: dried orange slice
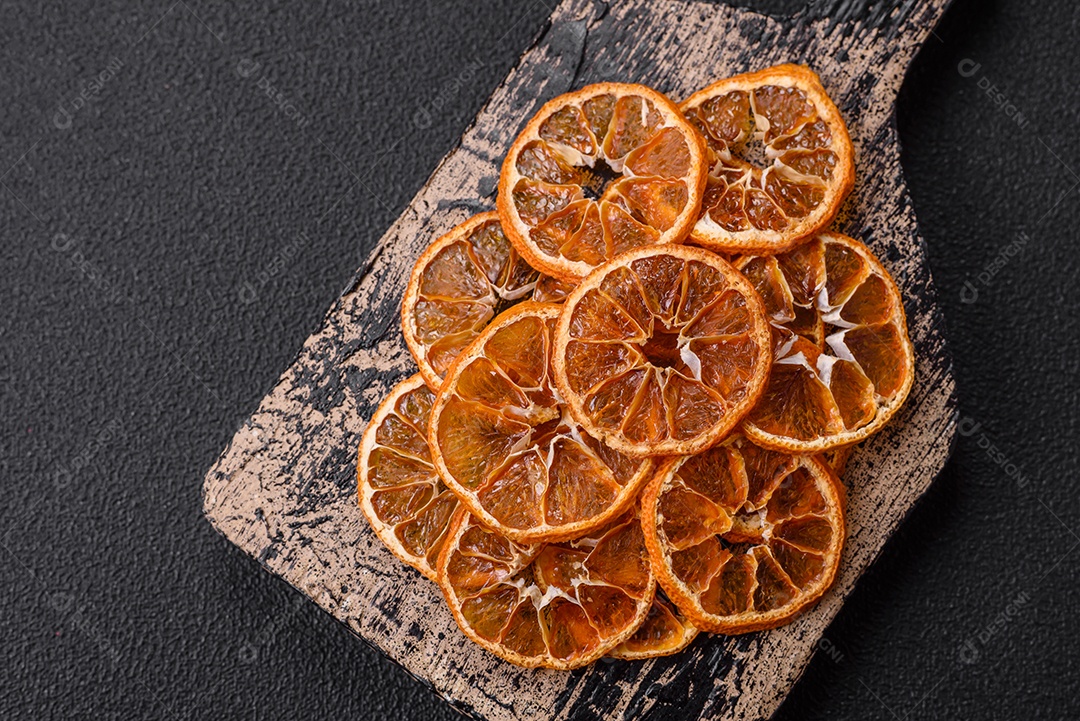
599, 171
662, 351
665, 631
551, 290
462, 281
837, 458
781, 160
502, 442
743, 538
842, 360
556, 605
406, 503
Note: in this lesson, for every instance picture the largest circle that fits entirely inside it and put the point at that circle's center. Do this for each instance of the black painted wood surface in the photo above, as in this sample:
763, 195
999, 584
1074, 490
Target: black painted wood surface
284, 489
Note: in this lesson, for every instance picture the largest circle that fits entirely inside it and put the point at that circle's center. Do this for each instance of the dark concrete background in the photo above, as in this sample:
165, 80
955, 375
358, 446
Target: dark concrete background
171, 232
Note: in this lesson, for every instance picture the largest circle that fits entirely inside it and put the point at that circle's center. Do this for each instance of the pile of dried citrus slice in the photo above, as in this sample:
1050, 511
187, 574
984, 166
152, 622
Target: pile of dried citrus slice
640, 378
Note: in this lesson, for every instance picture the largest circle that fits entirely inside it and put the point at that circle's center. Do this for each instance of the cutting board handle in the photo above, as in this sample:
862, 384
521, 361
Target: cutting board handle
886, 16
899, 26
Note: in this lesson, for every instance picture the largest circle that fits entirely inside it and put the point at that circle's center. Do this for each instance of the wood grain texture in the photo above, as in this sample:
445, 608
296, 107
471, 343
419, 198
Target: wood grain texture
284, 489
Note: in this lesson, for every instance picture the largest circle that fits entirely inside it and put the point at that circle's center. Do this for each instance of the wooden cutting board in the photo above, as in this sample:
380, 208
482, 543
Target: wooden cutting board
284, 490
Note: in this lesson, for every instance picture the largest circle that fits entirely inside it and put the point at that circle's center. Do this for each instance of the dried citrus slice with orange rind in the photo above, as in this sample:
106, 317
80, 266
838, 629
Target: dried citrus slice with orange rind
462, 281
503, 442
837, 458
552, 290
743, 538
842, 360
781, 160
400, 493
607, 168
666, 630
662, 351
552, 605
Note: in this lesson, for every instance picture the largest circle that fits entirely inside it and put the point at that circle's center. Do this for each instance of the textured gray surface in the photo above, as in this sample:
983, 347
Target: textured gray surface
182, 182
